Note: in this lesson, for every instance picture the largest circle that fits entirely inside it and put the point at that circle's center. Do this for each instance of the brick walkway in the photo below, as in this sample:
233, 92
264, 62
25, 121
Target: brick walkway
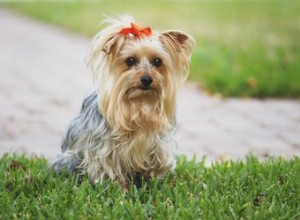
44, 79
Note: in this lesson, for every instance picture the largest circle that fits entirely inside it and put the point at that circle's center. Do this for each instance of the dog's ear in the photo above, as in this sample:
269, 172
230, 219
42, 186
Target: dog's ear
112, 44
104, 47
176, 41
179, 45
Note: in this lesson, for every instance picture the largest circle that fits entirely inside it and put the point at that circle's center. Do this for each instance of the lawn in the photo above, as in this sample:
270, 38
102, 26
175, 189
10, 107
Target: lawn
244, 48
231, 190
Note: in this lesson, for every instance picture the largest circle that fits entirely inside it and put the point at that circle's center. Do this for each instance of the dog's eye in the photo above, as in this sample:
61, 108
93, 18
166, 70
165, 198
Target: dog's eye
156, 62
131, 61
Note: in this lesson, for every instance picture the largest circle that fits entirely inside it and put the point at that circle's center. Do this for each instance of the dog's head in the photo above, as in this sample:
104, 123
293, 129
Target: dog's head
138, 72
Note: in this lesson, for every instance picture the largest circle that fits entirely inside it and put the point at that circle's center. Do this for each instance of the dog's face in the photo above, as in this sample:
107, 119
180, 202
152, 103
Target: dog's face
138, 76
141, 71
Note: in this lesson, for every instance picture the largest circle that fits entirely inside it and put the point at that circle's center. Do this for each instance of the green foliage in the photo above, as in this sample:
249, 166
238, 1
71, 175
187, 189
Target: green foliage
244, 48
231, 190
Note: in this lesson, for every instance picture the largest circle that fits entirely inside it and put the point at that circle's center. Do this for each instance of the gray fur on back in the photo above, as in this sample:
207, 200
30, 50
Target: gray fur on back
89, 123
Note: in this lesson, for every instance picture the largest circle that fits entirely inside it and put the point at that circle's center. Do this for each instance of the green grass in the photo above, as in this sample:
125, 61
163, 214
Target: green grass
232, 190
244, 48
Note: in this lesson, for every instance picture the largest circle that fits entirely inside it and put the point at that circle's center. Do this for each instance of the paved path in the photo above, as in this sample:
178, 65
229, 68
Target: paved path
43, 79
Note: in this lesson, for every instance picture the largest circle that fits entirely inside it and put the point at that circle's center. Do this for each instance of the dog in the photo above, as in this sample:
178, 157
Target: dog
126, 127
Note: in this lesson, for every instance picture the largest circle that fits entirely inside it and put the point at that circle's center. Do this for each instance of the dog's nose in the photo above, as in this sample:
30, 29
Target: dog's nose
146, 80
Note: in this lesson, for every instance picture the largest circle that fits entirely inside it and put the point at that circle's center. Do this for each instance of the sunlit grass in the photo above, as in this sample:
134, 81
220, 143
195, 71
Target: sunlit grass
244, 48
232, 190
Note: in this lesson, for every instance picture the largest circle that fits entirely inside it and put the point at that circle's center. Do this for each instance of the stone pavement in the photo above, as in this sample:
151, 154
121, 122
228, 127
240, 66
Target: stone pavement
43, 80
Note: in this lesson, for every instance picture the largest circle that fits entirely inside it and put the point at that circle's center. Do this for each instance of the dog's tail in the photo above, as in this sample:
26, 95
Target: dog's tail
67, 161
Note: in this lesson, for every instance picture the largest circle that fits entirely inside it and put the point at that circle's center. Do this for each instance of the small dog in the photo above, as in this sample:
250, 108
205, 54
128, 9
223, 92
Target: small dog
126, 127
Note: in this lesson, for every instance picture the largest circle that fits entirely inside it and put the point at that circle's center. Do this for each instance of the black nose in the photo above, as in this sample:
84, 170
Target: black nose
146, 80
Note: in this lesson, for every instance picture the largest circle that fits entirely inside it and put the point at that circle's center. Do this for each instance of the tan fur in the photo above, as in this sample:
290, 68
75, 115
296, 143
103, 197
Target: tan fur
142, 121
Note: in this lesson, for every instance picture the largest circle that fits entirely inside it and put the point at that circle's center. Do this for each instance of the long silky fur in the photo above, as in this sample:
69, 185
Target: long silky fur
120, 133
90, 146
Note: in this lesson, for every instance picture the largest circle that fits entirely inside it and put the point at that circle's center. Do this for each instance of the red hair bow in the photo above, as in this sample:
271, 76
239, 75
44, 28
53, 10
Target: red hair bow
137, 31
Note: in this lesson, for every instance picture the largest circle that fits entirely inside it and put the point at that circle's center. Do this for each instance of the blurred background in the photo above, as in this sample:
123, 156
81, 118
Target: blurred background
244, 48
242, 95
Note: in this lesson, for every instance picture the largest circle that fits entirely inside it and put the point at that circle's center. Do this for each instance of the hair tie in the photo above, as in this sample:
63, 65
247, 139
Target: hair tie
137, 31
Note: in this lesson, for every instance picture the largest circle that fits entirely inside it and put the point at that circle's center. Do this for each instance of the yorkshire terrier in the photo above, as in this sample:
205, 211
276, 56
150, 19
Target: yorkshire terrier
126, 127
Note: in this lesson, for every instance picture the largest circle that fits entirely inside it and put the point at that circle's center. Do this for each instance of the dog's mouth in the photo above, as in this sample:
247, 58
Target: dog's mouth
143, 92
145, 88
